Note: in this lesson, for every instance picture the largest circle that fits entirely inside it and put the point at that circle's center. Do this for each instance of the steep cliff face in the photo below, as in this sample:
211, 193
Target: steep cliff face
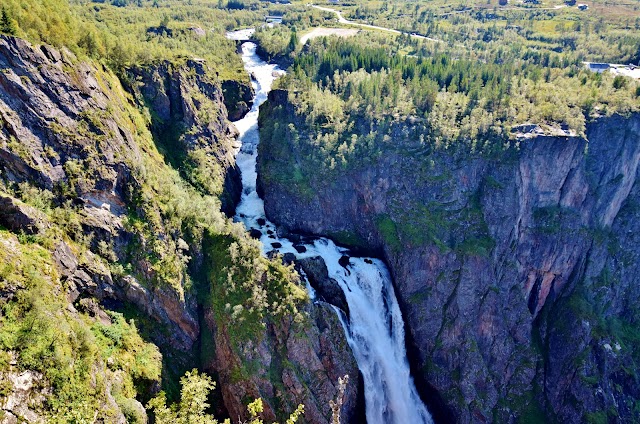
97, 229
75, 151
238, 98
189, 121
67, 136
515, 272
288, 365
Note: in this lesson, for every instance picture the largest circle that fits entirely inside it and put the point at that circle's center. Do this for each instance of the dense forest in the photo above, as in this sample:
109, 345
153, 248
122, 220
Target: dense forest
127, 33
490, 70
352, 93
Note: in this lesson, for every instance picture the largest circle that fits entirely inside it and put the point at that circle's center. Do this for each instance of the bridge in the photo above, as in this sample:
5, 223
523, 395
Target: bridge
273, 19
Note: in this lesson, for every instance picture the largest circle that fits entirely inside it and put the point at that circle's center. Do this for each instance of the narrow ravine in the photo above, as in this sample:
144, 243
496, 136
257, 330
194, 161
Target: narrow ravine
375, 330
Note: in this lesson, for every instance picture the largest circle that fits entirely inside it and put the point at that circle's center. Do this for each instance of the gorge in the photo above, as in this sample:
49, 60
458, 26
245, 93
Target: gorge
374, 326
447, 213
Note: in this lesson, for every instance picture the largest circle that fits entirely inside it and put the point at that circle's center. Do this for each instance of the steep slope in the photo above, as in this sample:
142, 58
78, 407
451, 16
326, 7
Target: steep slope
514, 270
185, 101
67, 147
114, 242
69, 136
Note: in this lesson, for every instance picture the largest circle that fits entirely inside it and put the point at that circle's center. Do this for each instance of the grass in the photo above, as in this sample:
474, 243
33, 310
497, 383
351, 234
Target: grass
481, 246
389, 232
348, 238
548, 219
599, 417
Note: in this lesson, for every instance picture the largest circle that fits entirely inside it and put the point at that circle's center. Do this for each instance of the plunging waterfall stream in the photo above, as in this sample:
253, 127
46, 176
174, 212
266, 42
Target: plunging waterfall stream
375, 330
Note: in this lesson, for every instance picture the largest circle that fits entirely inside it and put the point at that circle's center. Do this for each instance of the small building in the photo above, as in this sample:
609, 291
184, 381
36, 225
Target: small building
583, 6
570, 2
503, 2
598, 67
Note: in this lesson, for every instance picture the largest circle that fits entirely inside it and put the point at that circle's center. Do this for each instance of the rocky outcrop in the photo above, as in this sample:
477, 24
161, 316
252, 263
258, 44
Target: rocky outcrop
189, 119
290, 364
24, 397
238, 98
60, 133
88, 278
316, 272
16, 216
515, 272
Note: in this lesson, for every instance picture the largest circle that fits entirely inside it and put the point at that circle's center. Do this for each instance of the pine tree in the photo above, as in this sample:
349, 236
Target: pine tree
293, 40
7, 25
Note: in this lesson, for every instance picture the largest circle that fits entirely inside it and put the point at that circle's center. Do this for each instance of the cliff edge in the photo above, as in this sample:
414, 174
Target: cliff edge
515, 270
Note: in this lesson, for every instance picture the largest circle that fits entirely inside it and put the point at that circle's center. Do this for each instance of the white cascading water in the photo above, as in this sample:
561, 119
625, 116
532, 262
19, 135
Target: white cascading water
375, 330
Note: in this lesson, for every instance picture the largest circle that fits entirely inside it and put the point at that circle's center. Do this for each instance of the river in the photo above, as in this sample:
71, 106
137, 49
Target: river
375, 330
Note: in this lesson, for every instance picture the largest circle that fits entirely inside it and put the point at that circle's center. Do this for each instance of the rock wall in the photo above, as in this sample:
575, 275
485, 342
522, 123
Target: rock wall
72, 143
515, 271
238, 98
189, 116
60, 133
289, 365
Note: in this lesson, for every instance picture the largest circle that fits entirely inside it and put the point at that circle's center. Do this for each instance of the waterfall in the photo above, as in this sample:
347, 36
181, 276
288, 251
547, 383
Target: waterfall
375, 330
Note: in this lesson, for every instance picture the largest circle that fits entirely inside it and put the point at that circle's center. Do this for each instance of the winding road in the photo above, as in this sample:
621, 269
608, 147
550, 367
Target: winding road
345, 21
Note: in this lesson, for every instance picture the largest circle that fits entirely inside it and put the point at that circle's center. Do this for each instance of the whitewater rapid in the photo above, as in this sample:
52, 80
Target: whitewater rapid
375, 330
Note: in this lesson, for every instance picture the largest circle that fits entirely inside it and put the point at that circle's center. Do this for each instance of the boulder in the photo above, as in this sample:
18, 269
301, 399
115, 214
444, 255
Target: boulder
21, 218
288, 258
328, 288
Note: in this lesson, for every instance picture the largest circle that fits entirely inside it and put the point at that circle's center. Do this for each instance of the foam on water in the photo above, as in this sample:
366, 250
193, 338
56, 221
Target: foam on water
375, 330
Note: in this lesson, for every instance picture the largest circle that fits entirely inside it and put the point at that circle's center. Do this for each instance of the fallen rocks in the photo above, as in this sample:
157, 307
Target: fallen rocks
300, 248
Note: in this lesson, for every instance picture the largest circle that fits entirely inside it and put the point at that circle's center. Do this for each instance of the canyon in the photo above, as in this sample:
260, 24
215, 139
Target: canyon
511, 272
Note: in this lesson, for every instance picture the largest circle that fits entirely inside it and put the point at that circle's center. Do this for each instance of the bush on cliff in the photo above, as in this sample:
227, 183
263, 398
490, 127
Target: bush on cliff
78, 355
193, 404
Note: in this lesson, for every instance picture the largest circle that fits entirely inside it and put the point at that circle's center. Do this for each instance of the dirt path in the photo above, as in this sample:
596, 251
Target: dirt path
323, 32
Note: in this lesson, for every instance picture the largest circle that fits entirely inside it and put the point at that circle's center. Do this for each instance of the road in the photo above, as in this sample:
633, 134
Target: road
342, 20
